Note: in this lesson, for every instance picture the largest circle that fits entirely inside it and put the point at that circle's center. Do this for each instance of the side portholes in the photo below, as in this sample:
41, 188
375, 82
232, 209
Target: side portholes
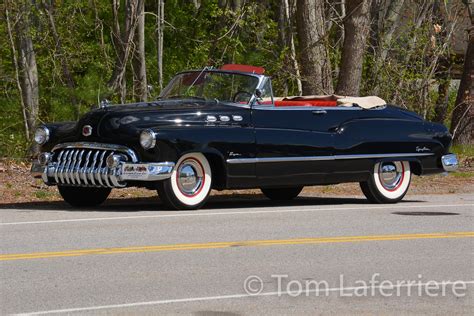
218, 170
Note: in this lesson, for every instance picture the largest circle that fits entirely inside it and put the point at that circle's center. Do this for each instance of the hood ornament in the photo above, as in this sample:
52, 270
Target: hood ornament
104, 103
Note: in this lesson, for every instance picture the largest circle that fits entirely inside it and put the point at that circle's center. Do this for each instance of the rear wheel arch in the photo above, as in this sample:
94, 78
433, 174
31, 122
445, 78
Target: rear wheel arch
416, 167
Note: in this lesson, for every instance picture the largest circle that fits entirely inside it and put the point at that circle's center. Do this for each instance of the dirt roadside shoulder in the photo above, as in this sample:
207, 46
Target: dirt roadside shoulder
17, 186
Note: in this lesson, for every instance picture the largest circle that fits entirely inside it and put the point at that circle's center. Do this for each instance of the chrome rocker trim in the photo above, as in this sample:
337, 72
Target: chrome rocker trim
450, 162
324, 158
84, 164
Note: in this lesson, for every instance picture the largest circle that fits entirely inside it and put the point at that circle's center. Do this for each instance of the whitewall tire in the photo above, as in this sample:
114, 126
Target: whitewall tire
189, 185
388, 183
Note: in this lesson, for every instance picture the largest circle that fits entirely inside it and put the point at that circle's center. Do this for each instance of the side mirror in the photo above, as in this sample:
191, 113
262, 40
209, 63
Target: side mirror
258, 93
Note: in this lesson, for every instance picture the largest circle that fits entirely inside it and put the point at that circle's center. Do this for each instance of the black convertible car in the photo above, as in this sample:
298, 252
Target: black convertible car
224, 129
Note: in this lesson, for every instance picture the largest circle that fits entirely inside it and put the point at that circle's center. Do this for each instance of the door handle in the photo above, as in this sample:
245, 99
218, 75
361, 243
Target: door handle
319, 112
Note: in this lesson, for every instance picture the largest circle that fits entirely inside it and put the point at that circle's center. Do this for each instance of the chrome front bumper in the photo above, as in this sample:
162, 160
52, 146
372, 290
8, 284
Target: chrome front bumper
53, 173
450, 162
84, 164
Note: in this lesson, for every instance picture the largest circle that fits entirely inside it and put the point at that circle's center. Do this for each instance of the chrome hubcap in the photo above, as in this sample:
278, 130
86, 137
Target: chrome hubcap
190, 177
390, 174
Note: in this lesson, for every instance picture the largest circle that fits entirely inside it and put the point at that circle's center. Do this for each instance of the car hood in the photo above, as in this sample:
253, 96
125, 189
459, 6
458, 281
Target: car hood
149, 114
129, 120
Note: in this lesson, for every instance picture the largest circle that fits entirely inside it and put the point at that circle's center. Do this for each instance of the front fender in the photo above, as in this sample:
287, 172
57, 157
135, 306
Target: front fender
217, 143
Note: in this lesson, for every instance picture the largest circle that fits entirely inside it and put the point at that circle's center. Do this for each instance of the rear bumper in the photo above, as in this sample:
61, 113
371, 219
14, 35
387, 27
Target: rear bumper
450, 162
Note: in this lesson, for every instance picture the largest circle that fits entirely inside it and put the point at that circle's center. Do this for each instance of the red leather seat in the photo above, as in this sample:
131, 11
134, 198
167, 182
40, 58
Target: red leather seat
305, 103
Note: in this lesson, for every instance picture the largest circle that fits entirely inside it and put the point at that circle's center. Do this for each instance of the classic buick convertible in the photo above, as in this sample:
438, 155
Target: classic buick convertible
224, 129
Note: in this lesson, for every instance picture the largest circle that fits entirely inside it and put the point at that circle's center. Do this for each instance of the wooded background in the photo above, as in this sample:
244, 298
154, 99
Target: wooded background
58, 59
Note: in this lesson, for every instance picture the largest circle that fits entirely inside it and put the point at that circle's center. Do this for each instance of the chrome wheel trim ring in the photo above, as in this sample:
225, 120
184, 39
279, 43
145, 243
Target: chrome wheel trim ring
391, 175
190, 177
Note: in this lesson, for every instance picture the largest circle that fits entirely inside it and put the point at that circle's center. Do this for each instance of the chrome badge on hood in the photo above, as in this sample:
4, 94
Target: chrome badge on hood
87, 130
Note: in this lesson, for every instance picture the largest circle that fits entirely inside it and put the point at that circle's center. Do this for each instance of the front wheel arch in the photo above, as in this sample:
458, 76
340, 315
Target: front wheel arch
219, 172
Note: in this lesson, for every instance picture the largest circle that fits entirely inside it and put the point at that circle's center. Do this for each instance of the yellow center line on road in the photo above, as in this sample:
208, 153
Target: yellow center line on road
230, 244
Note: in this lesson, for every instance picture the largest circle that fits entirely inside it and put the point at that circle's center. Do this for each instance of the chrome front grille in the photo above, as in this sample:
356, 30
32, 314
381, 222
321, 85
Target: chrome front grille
85, 165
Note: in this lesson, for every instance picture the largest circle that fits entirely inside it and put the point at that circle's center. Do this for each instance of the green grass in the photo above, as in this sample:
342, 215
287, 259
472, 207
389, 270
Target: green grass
40, 194
463, 174
466, 151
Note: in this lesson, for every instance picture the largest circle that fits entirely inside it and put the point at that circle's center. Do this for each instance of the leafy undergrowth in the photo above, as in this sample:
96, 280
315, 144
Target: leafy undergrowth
17, 186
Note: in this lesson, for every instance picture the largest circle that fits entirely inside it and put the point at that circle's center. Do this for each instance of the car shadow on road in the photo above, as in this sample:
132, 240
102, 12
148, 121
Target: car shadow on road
234, 201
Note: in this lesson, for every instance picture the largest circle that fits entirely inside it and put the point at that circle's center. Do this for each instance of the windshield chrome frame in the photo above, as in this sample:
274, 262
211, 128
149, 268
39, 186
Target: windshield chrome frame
261, 82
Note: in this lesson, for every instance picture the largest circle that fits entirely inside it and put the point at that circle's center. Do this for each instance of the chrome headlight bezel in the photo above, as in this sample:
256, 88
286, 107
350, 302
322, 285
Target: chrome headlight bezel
42, 135
148, 139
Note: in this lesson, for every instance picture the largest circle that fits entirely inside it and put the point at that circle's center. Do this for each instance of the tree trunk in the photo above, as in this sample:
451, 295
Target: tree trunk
462, 123
314, 59
64, 64
140, 80
386, 20
390, 24
27, 68
28, 71
234, 5
288, 42
356, 29
441, 106
122, 40
159, 36
196, 3
17, 69
282, 37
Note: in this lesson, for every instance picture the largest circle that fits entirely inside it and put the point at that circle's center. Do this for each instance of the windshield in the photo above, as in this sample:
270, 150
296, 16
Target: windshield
211, 85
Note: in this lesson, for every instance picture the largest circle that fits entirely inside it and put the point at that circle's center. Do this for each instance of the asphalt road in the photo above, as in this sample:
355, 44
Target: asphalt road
240, 256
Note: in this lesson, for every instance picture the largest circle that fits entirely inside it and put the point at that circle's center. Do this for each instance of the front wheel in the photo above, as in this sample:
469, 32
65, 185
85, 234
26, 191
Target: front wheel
388, 182
282, 194
83, 197
189, 185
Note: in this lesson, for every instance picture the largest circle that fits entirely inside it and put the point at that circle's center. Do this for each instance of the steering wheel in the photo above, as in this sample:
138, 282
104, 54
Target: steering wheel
241, 93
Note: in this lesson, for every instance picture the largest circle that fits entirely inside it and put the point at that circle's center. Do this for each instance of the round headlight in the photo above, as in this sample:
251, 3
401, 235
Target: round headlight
42, 135
148, 139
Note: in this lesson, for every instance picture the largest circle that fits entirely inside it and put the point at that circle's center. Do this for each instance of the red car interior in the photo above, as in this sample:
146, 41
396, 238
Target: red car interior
281, 103
305, 103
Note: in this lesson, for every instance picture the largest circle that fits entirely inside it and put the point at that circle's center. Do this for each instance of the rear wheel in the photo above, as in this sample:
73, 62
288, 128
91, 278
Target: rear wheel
83, 197
388, 183
189, 185
282, 194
